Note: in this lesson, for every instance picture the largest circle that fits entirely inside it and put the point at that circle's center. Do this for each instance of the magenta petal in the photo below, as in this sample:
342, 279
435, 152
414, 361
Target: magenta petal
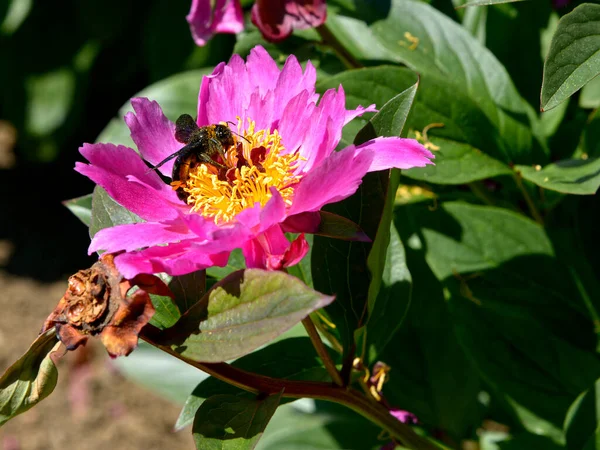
152, 132
260, 218
110, 167
138, 235
272, 251
174, 259
396, 152
336, 178
354, 113
296, 252
227, 17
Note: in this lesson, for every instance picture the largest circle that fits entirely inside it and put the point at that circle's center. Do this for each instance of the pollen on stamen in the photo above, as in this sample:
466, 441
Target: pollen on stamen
249, 179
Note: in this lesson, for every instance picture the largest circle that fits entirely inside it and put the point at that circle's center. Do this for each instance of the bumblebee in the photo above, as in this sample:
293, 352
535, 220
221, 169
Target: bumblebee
203, 144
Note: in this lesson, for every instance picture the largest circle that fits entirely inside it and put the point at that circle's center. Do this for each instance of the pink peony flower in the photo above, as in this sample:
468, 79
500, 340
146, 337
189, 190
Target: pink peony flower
276, 19
281, 170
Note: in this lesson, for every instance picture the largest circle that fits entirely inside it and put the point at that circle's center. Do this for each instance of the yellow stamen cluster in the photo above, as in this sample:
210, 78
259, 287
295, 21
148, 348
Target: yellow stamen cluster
222, 200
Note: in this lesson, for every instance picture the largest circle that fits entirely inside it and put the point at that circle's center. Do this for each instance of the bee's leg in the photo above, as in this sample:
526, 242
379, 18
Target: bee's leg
207, 159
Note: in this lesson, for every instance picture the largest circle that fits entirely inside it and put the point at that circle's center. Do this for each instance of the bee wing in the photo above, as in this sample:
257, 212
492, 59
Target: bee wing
184, 128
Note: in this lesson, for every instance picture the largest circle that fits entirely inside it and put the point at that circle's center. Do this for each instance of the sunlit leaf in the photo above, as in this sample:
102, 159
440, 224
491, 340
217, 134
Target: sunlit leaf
571, 176
81, 207
243, 311
29, 380
574, 57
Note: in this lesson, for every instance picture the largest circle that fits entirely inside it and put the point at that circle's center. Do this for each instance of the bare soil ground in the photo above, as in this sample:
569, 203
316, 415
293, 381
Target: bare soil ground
93, 407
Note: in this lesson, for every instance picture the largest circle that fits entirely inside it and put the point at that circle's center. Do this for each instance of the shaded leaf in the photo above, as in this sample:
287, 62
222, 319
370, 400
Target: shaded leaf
229, 422
293, 359
515, 310
352, 270
81, 207
107, 213
29, 380
188, 289
583, 419
571, 176
574, 57
243, 311
329, 426
393, 299
236, 262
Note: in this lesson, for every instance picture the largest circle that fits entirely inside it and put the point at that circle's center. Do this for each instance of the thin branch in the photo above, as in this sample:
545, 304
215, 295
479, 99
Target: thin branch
532, 208
322, 350
348, 397
329, 39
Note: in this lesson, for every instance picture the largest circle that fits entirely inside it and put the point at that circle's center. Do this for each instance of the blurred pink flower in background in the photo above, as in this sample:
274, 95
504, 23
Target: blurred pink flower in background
281, 170
276, 19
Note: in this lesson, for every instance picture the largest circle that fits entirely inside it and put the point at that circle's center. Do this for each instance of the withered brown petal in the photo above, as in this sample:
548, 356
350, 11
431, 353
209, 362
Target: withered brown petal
120, 335
69, 336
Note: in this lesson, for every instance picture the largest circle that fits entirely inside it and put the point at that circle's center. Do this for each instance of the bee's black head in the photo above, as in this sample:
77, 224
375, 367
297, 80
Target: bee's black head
224, 135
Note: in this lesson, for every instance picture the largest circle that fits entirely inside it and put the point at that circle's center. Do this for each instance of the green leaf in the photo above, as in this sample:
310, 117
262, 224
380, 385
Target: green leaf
292, 359
590, 94
393, 299
515, 309
232, 423
338, 227
166, 312
571, 176
328, 426
582, 423
243, 311
236, 262
486, 2
458, 163
432, 44
353, 270
424, 353
470, 148
29, 380
574, 57
188, 289
81, 207
107, 213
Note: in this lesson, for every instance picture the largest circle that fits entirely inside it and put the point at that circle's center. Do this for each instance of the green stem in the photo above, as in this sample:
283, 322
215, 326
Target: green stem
530, 204
481, 193
330, 40
348, 397
322, 350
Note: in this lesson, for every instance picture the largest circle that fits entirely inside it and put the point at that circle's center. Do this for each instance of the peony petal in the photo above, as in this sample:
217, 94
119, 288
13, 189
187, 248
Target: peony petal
227, 17
204, 94
262, 70
134, 236
259, 218
111, 165
359, 111
153, 133
336, 178
173, 259
395, 152
271, 250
